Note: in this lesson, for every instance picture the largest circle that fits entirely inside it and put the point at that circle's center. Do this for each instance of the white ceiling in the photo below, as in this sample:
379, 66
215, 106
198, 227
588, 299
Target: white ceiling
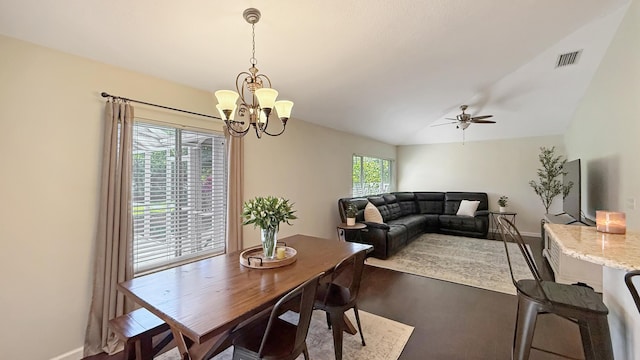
382, 69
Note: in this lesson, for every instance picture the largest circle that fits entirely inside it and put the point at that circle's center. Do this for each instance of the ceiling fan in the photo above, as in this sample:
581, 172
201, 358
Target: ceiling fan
464, 120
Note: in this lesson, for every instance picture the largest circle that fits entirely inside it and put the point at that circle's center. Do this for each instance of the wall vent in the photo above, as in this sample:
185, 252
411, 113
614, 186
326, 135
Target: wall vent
568, 58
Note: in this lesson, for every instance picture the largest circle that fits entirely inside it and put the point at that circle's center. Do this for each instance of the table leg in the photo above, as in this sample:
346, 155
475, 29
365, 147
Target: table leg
213, 346
181, 343
348, 326
221, 342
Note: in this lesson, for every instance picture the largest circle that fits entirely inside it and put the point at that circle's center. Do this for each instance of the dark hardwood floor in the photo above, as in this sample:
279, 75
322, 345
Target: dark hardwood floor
454, 321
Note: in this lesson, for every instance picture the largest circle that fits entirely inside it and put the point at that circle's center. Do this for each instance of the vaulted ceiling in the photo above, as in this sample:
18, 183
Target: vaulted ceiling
388, 70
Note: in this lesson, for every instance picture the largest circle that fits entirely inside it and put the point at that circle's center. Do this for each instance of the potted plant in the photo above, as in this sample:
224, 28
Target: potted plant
267, 213
549, 186
502, 202
351, 212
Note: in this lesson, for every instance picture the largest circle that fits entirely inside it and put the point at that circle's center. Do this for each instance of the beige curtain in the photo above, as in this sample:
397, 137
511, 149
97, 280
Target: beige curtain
235, 158
113, 262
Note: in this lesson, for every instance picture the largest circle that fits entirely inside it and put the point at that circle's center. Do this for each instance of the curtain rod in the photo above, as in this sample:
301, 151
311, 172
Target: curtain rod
104, 94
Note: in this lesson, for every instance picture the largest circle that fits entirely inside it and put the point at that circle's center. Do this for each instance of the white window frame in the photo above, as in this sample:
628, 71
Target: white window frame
364, 189
187, 220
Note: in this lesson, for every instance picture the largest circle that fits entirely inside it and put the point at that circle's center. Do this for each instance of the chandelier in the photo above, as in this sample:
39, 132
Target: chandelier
257, 98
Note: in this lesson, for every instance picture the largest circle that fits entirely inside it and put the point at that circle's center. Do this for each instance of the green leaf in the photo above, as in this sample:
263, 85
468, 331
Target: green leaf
267, 212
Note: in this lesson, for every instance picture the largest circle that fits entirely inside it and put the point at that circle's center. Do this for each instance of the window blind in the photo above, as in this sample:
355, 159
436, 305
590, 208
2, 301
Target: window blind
179, 195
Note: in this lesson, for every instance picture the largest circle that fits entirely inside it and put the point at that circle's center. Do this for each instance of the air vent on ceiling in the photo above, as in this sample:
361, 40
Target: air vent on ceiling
568, 58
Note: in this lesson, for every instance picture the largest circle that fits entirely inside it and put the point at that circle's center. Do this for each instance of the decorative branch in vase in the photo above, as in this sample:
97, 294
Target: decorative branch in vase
549, 186
267, 213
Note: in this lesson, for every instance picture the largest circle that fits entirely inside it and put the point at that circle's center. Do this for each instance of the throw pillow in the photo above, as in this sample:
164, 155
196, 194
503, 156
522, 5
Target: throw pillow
371, 214
468, 207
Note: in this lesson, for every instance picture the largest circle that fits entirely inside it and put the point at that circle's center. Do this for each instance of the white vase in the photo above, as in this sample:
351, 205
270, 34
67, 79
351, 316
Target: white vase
351, 221
503, 209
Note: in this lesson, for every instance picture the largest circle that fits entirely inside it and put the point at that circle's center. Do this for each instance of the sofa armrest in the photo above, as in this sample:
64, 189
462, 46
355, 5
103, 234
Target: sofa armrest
374, 225
482, 213
376, 234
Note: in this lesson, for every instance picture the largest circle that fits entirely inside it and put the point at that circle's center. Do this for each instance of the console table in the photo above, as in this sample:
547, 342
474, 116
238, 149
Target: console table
614, 255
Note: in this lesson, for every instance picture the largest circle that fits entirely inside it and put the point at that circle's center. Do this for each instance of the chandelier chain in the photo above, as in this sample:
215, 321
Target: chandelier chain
253, 39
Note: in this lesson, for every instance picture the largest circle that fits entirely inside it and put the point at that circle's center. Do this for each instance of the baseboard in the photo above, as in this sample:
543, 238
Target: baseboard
532, 234
75, 354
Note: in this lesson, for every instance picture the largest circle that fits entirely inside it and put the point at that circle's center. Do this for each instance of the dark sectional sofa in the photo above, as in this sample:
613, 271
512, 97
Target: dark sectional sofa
407, 215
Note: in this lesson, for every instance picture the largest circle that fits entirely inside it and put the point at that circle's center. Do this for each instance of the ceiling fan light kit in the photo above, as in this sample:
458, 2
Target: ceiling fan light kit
463, 120
257, 97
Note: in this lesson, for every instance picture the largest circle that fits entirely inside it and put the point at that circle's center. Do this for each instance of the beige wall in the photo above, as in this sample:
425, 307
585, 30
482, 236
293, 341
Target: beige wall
502, 167
51, 127
605, 130
311, 166
604, 134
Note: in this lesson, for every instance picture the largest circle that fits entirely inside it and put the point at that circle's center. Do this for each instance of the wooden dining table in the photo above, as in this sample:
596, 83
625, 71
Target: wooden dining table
203, 302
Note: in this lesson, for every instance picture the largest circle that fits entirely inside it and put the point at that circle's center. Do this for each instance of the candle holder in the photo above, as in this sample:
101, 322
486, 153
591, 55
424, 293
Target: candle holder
611, 222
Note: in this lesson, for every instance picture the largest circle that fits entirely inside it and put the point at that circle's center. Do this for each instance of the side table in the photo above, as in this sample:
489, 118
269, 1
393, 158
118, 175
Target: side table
343, 228
511, 216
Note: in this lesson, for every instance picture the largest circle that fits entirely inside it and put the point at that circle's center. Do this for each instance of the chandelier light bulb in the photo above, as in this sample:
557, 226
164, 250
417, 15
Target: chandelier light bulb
263, 117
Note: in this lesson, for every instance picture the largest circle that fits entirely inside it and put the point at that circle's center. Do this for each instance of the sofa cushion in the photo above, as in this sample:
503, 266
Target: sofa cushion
381, 204
453, 198
360, 204
371, 214
460, 223
432, 222
430, 202
415, 224
393, 206
407, 202
468, 207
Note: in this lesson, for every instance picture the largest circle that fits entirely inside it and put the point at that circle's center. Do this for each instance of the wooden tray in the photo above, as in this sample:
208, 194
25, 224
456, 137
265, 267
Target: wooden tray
254, 258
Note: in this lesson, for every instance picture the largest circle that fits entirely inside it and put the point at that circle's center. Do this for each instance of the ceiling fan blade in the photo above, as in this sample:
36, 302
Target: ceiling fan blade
475, 121
481, 117
452, 119
449, 123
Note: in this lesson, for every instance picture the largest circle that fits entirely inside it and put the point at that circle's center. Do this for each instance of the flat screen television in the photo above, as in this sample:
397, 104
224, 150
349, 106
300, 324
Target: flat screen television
571, 203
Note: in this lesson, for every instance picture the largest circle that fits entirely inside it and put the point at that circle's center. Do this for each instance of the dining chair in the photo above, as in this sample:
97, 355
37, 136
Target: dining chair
340, 294
273, 338
628, 279
578, 304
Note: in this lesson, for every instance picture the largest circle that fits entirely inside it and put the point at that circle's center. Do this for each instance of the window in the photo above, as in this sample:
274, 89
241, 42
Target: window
370, 175
179, 195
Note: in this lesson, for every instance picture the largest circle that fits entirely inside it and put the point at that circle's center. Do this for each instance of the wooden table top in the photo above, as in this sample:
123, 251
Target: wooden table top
207, 297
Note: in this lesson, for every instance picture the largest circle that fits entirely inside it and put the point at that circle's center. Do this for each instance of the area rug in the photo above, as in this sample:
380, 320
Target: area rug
474, 262
385, 339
